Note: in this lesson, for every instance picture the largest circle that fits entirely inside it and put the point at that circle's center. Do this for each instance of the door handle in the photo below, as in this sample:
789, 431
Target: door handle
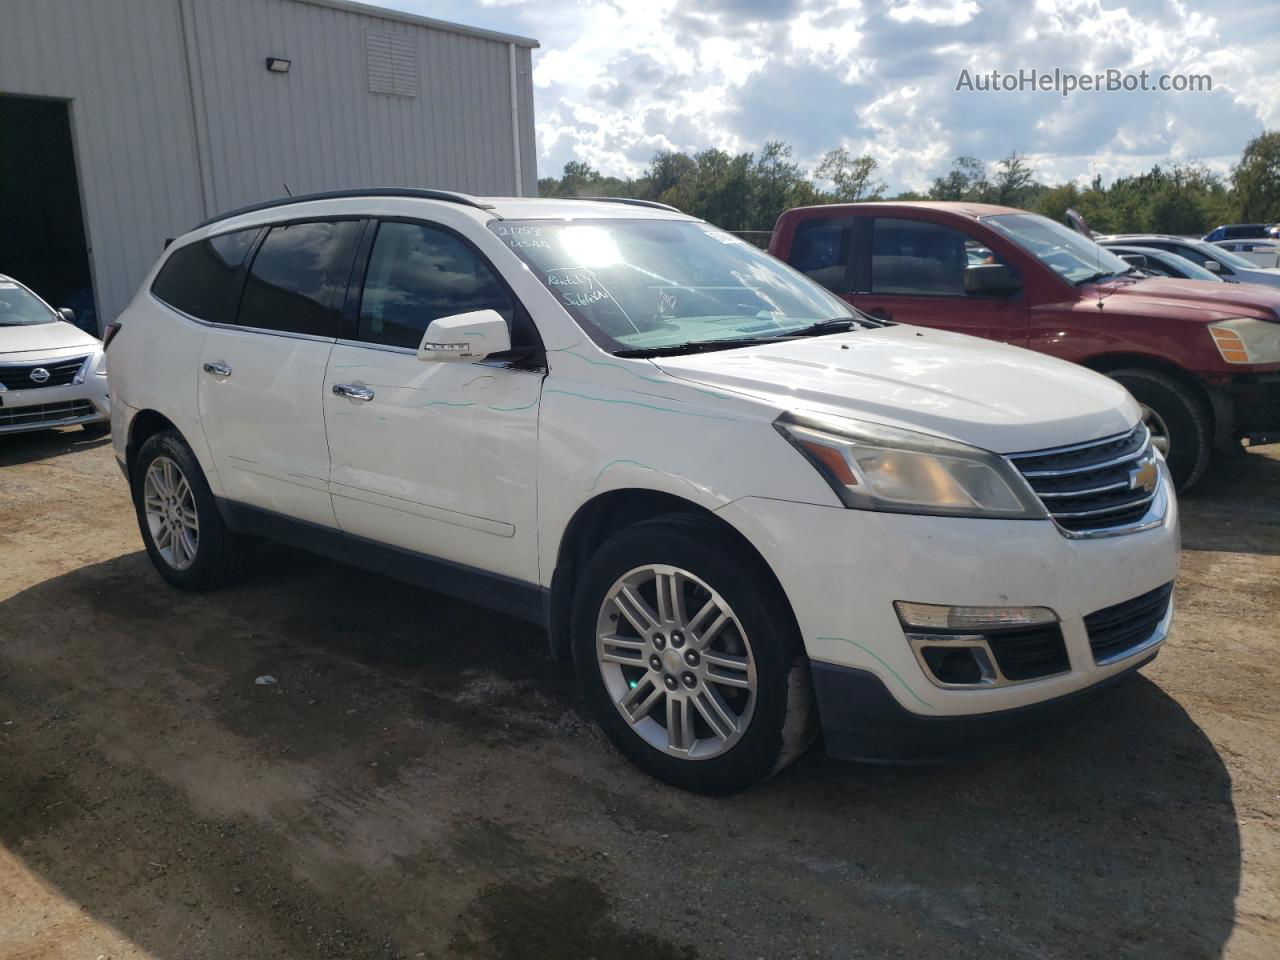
880, 313
217, 369
352, 392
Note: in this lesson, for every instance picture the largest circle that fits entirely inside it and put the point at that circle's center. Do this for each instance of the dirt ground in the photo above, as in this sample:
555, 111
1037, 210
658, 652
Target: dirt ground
420, 782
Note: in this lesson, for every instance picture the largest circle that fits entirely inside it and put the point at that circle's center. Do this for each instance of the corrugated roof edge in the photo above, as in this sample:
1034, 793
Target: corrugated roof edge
420, 193
369, 10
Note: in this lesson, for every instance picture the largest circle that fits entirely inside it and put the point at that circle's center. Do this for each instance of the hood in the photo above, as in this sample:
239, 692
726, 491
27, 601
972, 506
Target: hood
1165, 296
1001, 398
43, 338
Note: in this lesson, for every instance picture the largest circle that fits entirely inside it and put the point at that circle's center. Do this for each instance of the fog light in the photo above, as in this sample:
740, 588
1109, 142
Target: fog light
959, 666
935, 616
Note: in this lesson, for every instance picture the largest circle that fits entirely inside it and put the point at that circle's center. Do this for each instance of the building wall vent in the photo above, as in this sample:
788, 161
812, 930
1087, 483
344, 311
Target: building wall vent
392, 63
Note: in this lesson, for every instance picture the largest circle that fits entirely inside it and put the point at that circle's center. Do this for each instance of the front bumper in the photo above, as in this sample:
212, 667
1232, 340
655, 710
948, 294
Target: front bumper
1255, 400
43, 408
842, 570
862, 721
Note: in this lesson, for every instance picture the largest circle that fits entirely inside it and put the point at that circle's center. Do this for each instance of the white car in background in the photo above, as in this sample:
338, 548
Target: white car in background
740, 506
52, 373
1229, 266
1265, 253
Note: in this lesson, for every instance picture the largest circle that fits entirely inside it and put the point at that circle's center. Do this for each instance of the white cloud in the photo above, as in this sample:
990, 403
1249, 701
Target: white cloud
932, 11
616, 80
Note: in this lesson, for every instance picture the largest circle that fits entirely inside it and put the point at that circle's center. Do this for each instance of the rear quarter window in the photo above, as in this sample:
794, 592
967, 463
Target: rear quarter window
202, 279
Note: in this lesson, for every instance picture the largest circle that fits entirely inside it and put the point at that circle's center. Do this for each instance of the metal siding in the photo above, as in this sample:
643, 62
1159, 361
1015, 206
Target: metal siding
121, 67
124, 68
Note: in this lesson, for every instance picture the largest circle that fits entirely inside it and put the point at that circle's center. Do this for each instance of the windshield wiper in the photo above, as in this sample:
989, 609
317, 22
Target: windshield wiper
838, 325
1107, 275
698, 346
821, 328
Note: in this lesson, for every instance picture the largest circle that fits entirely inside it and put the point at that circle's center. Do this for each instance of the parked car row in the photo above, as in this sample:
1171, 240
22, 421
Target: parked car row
1202, 359
733, 493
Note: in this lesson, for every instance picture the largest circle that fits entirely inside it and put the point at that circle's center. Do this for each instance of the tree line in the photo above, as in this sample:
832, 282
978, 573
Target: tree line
747, 191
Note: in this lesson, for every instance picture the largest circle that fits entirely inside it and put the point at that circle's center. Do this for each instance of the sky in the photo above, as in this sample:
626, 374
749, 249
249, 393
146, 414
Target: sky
615, 81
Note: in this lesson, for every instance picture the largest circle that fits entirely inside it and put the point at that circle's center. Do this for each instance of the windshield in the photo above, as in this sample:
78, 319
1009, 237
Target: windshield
18, 306
1071, 255
1225, 256
1193, 271
648, 284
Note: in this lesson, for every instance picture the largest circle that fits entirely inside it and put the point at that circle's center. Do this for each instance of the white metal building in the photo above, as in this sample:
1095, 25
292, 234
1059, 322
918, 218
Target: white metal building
126, 122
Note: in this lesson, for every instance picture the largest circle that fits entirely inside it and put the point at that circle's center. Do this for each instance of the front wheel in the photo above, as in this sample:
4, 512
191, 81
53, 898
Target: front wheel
1180, 426
689, 657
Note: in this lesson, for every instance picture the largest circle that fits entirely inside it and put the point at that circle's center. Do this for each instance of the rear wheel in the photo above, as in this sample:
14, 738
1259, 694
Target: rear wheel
1180, 426
183, 532
689, 659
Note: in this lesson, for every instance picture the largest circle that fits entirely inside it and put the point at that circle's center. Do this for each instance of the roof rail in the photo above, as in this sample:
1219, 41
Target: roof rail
633, 202
419, 193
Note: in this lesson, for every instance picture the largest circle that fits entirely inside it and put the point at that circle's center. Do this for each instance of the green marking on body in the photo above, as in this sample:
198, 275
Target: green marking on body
882, 663
647, 406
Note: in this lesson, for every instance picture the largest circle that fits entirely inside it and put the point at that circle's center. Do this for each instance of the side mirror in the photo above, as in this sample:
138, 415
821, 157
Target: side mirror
465, 337
67, 314
1213, 266
1138, 260
990, 278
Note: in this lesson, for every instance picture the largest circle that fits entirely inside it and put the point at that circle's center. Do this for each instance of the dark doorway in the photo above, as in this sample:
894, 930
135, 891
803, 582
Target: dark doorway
42, 238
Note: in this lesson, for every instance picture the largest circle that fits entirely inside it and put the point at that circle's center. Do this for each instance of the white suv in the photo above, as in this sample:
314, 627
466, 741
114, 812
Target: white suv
743, 509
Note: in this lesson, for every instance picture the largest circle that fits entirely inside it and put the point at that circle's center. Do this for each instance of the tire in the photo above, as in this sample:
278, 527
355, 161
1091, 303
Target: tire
209, 556
1173, 408
99, 428
773, 716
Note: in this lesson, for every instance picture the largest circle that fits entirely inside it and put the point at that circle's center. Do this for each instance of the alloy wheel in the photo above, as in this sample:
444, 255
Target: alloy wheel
676, 662
170, 509
1159, 430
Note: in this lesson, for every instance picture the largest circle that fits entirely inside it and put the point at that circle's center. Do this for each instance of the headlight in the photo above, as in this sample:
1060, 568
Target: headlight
1246, 340
872, 467
100, 368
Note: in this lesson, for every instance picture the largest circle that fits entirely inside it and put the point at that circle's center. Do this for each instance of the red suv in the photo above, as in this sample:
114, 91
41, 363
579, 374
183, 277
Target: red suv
1202, 359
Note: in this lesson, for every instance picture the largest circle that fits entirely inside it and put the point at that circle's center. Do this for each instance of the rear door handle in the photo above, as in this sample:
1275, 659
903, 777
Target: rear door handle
217, 369
352, 392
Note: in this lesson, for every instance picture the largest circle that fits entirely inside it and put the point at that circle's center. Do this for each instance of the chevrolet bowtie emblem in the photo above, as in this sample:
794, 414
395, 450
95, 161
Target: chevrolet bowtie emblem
1144, 477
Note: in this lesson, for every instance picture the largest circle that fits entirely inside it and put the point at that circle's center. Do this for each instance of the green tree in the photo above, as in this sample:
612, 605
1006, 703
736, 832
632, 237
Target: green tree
1015, 181
1255, 180
967, 180
852, 177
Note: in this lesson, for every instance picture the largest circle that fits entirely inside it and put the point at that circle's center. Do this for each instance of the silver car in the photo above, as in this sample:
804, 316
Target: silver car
1227, 265
52, 373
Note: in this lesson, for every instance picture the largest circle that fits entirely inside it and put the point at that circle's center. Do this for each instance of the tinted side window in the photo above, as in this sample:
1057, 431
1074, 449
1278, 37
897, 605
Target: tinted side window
203, 278
822, 250
297, 279
419, 273
912, 256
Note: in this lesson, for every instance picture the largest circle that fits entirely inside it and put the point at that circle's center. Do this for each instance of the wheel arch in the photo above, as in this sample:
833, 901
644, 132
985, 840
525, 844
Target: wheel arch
1215, 402
144, 425
604, 515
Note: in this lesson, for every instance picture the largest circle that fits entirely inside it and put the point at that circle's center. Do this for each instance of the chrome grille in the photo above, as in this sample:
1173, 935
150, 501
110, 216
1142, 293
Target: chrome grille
34, 414
60, 373
1096, 486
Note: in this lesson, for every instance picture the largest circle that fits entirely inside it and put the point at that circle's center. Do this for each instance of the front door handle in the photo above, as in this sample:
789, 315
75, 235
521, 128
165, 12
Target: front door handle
352, 392
880, 313
217, 369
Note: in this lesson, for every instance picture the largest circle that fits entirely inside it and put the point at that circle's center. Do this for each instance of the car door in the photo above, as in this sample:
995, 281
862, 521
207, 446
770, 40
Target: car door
261, 377
914, 273
438, 458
